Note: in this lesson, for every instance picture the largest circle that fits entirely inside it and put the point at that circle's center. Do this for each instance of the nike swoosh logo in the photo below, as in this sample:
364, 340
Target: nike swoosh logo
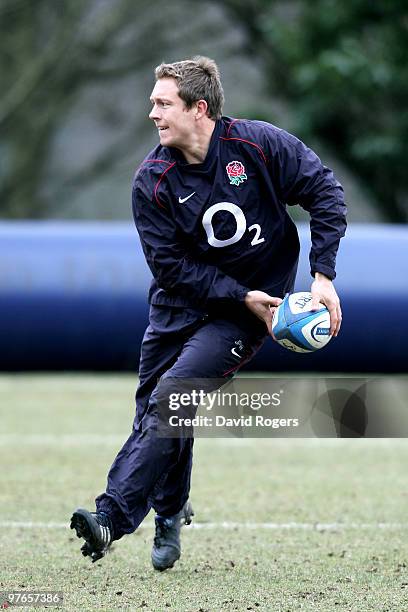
234, 352
182, 200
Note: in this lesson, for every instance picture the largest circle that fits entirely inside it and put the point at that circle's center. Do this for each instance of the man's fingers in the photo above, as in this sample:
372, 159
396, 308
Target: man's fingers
267, 318
315, 302
325, 293
333, 318
263, 306
339, 318
272, 310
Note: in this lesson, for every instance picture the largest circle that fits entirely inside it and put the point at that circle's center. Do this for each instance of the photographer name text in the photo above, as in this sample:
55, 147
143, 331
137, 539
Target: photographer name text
252, 420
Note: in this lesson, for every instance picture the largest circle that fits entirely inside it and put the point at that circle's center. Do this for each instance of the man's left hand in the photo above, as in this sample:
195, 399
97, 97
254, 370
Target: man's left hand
323, 291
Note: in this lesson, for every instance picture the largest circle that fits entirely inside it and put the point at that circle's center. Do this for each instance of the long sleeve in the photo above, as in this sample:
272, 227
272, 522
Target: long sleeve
301, 178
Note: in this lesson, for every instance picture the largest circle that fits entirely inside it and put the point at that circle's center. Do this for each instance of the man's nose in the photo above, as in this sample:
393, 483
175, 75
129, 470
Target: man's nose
154, 114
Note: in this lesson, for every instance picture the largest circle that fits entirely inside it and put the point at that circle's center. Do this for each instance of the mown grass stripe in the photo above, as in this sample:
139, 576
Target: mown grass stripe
227, 525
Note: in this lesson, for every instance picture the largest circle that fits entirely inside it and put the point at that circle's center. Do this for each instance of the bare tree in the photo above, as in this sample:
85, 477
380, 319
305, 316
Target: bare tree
50, 51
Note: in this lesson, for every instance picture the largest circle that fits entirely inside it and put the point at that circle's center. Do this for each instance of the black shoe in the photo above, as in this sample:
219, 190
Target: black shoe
96, 529
167, 548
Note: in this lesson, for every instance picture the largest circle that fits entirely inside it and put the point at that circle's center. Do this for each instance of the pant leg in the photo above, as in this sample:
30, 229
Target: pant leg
214, 341
173, 489
155, 471
157, 354
136, 469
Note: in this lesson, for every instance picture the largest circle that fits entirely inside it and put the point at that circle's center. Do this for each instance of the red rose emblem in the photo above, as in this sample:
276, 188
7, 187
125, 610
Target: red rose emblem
236, 172
235, 168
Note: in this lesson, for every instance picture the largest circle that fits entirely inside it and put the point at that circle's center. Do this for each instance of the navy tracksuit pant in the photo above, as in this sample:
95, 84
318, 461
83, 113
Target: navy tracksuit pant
152, 471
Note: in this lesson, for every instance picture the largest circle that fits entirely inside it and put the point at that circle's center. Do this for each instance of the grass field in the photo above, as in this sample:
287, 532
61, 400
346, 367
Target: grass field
282, 524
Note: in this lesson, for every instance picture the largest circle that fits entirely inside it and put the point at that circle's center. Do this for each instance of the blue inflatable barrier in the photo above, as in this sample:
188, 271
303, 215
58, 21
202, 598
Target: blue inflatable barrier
73, 296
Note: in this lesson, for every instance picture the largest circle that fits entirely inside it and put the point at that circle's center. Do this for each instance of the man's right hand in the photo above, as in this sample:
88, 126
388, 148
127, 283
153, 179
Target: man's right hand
263, 306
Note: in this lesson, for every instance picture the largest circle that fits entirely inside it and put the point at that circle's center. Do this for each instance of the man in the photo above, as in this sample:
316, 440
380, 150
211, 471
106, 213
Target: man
210, 207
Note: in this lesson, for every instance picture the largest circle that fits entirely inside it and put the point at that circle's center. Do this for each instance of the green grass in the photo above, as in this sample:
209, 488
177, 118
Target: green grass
58, 437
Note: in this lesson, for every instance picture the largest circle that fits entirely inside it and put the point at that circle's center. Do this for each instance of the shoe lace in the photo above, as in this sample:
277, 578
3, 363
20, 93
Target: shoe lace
164, 524
162, 527
188, 514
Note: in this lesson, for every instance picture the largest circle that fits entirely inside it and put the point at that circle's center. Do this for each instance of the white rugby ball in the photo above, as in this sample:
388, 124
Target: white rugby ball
296, 327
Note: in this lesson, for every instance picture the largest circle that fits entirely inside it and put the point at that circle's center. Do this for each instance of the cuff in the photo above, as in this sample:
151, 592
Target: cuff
241, 293
326, 270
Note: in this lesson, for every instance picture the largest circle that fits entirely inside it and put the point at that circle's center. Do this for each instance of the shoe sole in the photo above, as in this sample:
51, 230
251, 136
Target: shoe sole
162, 568
83, 523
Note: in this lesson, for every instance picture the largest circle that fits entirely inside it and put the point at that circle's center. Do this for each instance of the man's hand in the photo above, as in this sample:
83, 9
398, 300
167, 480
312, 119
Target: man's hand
263, 306
323, 291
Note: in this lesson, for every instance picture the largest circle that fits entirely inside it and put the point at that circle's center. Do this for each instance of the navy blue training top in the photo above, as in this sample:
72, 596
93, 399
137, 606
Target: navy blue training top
214, 230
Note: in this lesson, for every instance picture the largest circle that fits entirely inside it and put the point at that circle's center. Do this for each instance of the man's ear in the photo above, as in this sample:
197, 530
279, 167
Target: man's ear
201, 109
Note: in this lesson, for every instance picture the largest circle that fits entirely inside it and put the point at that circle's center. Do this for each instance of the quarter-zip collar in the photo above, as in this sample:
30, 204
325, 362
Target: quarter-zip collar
210, 158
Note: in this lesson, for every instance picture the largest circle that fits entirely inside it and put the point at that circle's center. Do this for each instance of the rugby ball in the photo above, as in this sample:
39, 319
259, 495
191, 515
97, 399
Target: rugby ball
296, 327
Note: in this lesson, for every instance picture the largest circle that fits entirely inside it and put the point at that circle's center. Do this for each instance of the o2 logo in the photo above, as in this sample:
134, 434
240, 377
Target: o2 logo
240, 221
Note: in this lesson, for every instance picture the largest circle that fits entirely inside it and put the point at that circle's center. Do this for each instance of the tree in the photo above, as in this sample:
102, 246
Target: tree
51, 51
344, 66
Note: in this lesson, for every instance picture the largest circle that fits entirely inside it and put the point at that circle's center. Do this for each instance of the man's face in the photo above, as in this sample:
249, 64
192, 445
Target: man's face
173, 119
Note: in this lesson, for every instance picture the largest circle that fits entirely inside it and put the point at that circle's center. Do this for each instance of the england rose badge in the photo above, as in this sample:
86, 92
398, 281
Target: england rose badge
236, 172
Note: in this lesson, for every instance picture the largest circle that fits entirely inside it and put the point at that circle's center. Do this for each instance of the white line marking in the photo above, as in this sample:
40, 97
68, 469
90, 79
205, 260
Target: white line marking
62, 440
230, 525
299, 526
74, 440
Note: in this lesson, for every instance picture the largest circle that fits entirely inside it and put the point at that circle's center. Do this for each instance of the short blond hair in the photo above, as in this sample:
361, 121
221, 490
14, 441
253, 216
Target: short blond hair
197, 78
